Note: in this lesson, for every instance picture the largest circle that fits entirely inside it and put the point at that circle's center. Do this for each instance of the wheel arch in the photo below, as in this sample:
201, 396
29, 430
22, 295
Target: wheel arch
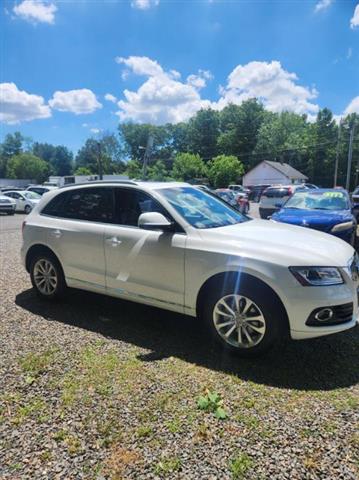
230, 276
34, 250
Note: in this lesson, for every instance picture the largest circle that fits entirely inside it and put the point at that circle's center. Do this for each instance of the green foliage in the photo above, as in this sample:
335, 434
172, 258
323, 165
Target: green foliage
134, 169
212, 402
106, 150
82, 171
168, 465
26, 165
240, 465
203, 132
223, 170
158, 172
188, 166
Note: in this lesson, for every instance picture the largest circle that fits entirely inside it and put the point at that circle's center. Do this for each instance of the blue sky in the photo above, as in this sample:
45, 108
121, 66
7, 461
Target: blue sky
158, 60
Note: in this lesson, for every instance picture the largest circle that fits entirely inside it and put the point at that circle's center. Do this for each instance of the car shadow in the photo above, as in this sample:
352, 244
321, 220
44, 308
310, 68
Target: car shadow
326, 363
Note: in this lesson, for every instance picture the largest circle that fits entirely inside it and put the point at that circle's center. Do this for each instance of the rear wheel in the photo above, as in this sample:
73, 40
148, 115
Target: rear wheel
244, 317
47, 276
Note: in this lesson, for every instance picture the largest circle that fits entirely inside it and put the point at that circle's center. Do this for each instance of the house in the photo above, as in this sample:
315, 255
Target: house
271, 173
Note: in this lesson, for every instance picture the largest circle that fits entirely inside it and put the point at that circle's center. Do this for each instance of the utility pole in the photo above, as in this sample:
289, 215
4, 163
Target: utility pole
350, 155
147, 155
337, 155
99, 160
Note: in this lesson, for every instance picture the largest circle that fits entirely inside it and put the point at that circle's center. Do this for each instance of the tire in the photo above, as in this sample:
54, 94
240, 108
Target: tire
269, 327
27, 209
246, 209
11, 213
45, 266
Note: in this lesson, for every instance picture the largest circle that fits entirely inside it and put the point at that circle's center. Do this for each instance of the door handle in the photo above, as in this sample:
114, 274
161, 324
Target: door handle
113, 241
56, 233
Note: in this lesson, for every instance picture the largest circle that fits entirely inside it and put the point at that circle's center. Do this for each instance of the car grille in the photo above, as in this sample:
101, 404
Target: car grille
322, 227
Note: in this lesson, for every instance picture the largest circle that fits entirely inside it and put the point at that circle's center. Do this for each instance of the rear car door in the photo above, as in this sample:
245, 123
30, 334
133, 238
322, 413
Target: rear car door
75, 232
143, 264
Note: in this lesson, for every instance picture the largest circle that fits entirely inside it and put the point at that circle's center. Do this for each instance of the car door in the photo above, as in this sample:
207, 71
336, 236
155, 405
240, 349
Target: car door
75, 232
141, 264
19, 201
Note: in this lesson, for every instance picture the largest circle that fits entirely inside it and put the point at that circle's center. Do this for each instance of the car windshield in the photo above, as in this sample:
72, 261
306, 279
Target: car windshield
314, 200
200, 209
32, 195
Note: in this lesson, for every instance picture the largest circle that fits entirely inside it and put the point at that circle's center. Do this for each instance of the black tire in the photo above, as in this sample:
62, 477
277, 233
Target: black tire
276, 323
61, 287
27, 209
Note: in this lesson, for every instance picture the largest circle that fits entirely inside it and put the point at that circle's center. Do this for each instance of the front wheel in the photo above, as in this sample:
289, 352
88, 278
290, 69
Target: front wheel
27, 209
47, 276
244, 317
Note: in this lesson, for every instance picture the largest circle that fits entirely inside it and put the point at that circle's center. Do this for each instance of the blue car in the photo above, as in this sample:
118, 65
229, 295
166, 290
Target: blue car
327, 210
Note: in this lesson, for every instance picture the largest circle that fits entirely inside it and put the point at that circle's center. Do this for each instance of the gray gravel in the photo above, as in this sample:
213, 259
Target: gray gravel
96, 388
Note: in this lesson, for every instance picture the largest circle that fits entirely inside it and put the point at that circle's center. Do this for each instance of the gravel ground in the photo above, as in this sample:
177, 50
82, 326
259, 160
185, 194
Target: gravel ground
97, 388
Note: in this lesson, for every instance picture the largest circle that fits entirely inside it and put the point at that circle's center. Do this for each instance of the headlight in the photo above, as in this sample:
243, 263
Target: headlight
342, 226
317, 276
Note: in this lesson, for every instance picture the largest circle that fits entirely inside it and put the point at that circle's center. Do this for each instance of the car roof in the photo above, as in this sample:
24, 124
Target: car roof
16, 191
127, 183
323, 190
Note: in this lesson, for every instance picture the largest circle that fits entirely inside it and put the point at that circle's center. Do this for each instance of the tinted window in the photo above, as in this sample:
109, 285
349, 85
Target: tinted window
131, 203
276, 193
92, 204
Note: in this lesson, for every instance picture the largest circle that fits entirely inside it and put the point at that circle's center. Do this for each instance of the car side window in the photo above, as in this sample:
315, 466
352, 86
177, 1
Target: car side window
131, 203
91, 204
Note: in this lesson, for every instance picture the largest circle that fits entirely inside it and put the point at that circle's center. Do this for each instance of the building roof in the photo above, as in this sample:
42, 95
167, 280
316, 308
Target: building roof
287, 170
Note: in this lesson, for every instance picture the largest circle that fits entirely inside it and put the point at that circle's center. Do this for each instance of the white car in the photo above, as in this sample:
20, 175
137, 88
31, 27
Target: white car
41, 189
176, 247
274, 197
7, 205
25, 201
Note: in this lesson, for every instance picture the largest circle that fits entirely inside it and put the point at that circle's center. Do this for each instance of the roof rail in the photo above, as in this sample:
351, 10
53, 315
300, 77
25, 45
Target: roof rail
99, 182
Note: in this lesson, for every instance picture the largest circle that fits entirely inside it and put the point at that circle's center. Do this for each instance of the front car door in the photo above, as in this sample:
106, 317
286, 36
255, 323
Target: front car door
143, 265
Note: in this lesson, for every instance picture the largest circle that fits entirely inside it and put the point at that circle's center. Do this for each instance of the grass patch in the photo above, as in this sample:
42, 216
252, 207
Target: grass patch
144, 431
240, 465
167, 465
35, 364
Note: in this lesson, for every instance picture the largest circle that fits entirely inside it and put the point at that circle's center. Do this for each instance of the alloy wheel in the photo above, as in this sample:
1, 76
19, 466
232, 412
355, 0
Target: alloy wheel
45, 277
239, 321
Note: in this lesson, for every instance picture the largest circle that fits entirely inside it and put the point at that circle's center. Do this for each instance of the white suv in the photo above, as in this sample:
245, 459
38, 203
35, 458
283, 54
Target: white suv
176, 247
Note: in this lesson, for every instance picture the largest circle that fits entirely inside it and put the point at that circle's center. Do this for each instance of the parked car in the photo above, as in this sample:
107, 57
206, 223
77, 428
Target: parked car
41, 189
11, 189
176, 247
255, 192
7, 205
25, 200
355, 202
274, 197
310, 186
239, 189
327, 210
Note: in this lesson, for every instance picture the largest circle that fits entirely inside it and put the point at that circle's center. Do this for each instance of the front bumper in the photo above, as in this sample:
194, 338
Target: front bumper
7, 207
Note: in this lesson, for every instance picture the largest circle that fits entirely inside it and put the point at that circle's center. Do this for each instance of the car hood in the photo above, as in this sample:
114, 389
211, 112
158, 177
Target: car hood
323, 220
278, 243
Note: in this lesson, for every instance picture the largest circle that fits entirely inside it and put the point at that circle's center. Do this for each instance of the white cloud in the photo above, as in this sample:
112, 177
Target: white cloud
322, 5
144, 4
353, 106
36, 11
199, 80
95, 130
19, 106
80, 101
269, 82
354, 21
110, 98
349, 53
161, 98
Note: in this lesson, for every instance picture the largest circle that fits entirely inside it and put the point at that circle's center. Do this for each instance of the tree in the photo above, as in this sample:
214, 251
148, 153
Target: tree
188, 166
158, 171
223, 170
107, 150
203, 132
26, 165
82, 171
60, 158
12, 145
134, 169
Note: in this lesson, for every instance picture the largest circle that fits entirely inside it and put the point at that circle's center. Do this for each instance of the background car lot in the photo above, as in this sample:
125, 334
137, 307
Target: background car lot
94, 386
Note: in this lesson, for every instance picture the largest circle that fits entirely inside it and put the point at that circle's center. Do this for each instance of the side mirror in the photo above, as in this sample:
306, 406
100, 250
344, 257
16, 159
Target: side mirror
154, 221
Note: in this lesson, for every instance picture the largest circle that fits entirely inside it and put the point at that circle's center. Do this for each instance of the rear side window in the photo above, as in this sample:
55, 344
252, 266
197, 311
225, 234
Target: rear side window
276, 193
91, 204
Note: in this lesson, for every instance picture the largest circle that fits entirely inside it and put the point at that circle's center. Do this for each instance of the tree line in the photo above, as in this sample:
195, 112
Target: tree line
218, 146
